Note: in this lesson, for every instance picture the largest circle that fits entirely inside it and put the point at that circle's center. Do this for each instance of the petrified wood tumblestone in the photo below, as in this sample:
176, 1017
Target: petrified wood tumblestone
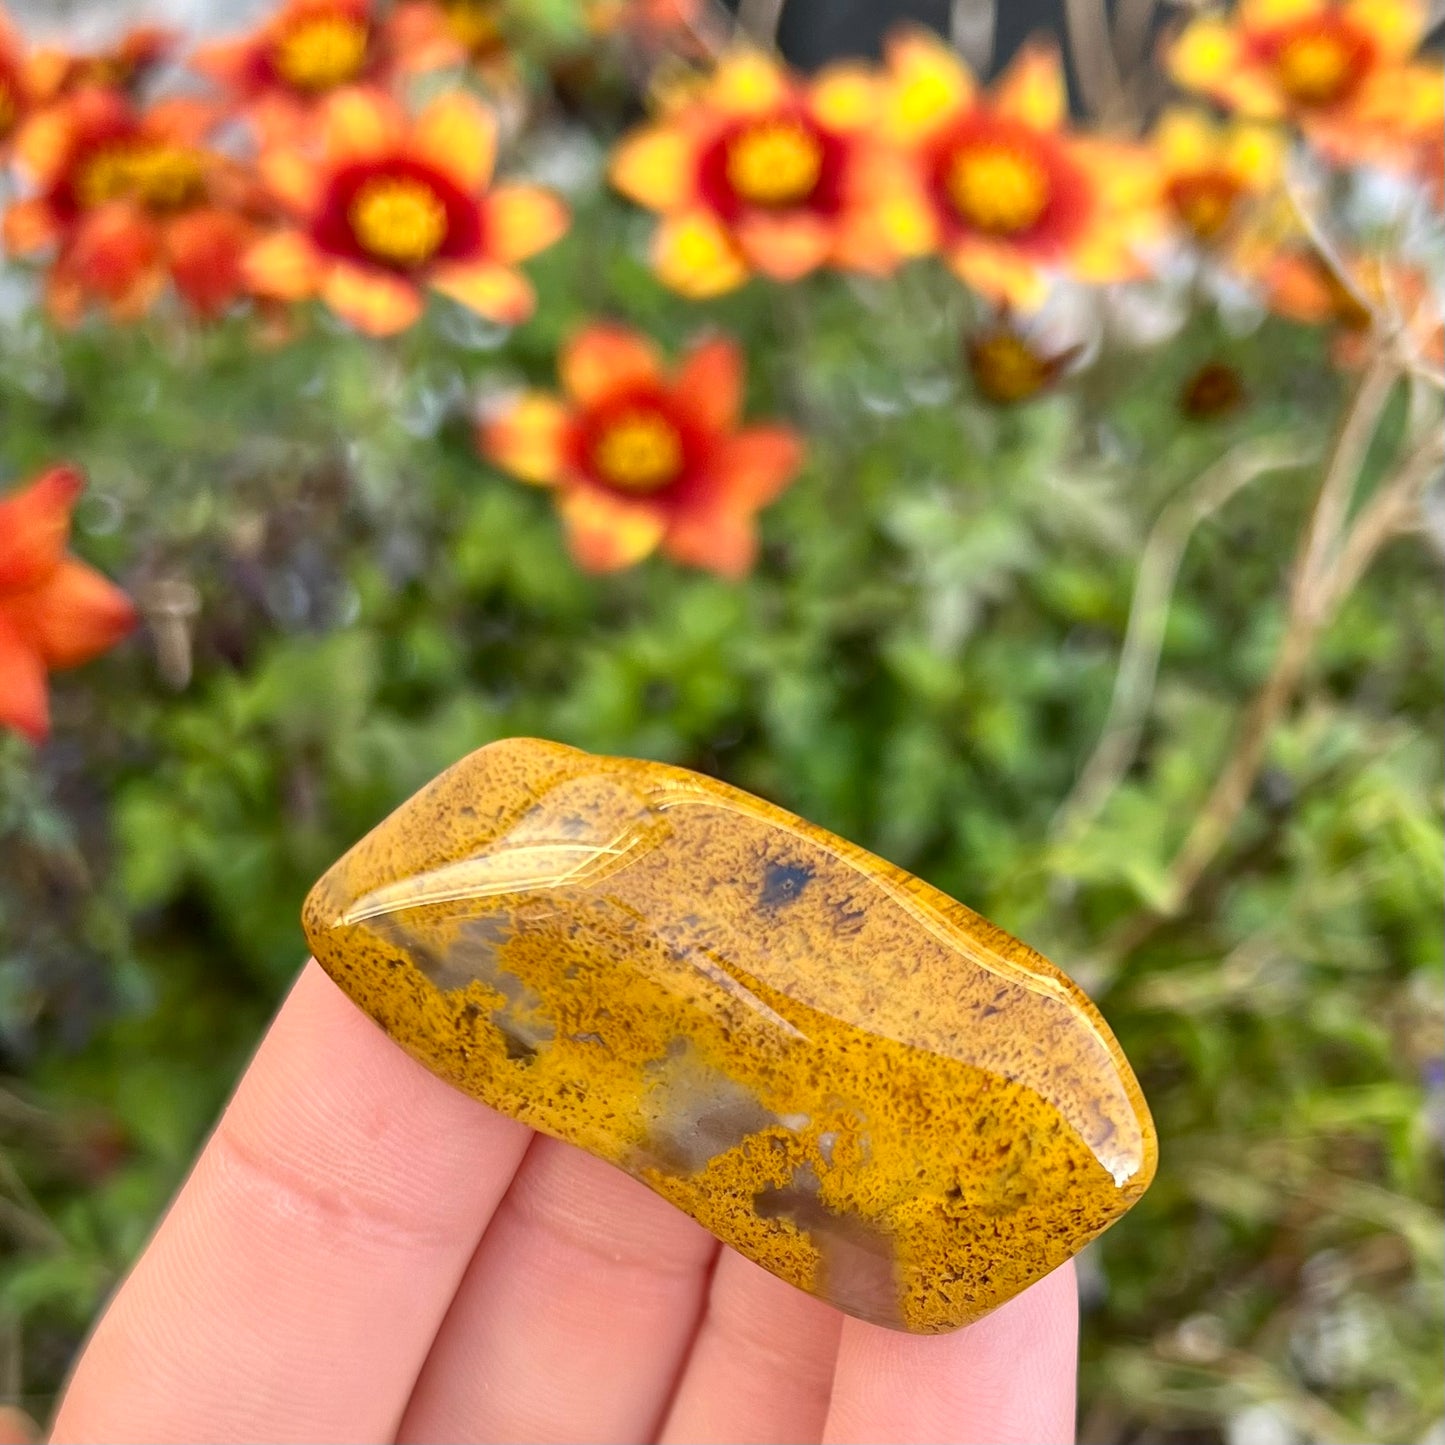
842, 1073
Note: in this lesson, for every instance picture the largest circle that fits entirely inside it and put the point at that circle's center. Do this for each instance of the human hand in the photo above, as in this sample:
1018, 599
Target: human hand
363, 1253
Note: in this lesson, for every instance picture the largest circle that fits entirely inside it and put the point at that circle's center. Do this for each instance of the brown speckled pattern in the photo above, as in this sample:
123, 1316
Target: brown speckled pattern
845, 1075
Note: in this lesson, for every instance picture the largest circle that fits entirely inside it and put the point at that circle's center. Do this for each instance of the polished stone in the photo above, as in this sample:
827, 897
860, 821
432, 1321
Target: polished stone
842, 1073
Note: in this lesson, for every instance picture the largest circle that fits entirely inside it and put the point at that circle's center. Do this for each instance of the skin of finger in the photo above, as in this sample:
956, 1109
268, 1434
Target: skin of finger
1007, 1380
575, 1314
761, 1369
296, 1283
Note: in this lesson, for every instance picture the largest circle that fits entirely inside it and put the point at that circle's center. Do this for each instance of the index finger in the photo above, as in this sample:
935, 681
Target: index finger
294, 1287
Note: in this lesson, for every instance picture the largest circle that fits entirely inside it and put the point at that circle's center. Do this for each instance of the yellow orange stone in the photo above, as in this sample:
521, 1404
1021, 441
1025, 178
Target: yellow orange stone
842, 1073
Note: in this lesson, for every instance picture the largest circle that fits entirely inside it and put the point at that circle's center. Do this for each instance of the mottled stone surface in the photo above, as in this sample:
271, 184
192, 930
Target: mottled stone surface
845, 1075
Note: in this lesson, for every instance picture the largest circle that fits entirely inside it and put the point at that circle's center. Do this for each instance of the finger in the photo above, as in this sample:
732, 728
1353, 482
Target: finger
1009, 1378
575, 1315
761, 1368
297, 1282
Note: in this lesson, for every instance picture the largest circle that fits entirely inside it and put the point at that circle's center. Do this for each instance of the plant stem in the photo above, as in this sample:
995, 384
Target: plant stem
1309, 606
1148, 616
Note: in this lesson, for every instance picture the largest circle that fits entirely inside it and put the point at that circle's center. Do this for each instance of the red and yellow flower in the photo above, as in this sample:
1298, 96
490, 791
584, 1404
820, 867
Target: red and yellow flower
1010, 365
1210, 174
392, 206
642, 459
124, 199
1336, 67
1004, 192
55, 612
125, 65
303, 53
757, 170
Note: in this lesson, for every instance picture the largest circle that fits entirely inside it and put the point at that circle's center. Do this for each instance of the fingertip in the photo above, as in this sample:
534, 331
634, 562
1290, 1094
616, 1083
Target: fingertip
1010, 1379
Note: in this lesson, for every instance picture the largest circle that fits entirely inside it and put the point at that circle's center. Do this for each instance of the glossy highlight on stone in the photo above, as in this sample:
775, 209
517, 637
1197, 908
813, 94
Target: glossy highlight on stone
842, 1073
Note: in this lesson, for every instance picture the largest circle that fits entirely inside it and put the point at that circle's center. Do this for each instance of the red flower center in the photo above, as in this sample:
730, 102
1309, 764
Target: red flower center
400, 220
1321, 61
159, 175
322, 51
639, 450
775, 162
1205, 201
997, 185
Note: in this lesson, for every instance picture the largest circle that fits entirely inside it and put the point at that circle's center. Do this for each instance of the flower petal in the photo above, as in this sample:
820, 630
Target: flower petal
458, 135
206, 249
757, 464
360, 123
606, 533
73, 616
529, 439
34, 525
30, 226
374, 301
116, 252
284, 266
24, 705
1206, 55
709, 385
293, 178
747, 82
929, 85
519, 221
695, 256
785, 247
845, 97
496, 292
1396, 26
1032, 88
999, 273
1186, 139
655, 166
1256, 155
603, 359
722, 542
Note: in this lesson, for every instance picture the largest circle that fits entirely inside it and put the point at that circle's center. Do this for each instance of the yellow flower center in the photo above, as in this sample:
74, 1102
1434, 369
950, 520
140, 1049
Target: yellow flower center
1316, 66
159, 176
474, 25
639, 452
1006, 368
997, 188
1205, 202
322, 52
398, 219
774, 163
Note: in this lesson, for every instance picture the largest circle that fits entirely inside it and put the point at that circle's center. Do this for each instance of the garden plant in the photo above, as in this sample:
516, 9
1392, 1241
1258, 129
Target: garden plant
1039, 494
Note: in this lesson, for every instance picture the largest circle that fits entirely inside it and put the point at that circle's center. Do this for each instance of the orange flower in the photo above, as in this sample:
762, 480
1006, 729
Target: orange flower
756, 170
55, 612
126, 65
1005, 193
1382, 295
641, 460
1336, 67
1210, 173
392, 206
305, 52
126, 198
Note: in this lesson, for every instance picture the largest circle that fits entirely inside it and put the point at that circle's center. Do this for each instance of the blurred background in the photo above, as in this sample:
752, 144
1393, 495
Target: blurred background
1106, 594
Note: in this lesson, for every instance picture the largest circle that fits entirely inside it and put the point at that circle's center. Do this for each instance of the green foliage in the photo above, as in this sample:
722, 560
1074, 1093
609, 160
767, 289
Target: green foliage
922, 661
